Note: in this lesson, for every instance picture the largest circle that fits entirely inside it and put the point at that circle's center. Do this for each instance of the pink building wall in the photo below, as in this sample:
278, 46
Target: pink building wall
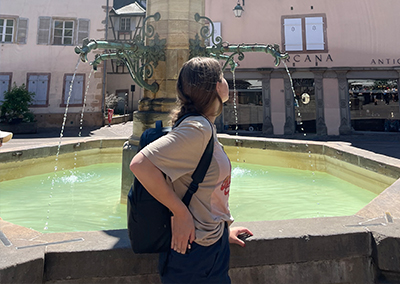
57, 60
359, 32
361, 43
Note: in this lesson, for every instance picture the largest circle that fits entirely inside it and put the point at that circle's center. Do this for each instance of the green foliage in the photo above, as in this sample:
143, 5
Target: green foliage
15, 107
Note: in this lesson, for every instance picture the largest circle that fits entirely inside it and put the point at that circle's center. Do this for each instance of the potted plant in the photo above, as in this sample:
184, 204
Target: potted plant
14, 112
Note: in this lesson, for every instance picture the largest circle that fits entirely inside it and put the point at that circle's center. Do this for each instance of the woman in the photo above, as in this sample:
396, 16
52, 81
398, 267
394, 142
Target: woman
200, 234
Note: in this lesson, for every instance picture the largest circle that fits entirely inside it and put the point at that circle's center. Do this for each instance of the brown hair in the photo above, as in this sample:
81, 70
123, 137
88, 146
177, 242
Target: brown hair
197, 87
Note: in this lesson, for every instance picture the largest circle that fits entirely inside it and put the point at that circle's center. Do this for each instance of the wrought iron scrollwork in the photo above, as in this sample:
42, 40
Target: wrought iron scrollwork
140, 59
223, 50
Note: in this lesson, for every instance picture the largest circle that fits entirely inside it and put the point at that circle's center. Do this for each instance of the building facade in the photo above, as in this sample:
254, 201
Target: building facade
37, 49
343, 60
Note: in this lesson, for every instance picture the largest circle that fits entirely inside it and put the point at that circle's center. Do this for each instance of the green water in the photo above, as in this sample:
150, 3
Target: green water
274, 193
87, 198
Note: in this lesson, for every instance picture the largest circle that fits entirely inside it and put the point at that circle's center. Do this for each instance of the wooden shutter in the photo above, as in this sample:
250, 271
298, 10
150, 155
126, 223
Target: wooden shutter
293, 34
217, 32
77, 90
83, 30
22, 32
315, 33
38, 84
4, 86
44, 30
133, 24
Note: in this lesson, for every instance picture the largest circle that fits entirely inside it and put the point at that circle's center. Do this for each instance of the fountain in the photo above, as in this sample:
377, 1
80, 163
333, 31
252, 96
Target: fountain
353, 249
154, 59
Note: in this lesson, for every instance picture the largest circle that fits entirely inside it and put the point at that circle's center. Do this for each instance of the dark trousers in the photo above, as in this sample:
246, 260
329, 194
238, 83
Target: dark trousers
199, 265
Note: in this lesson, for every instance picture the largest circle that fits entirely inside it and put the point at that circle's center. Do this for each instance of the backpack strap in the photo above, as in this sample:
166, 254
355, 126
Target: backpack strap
201, 169
200, 172
185, 116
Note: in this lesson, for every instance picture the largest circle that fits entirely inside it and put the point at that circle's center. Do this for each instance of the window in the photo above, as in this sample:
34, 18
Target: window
125, 24
7, 30
5, 83
13, 30
374, 105
304, 33
63, 32
245, 111
74, 92
58, 31
39, 84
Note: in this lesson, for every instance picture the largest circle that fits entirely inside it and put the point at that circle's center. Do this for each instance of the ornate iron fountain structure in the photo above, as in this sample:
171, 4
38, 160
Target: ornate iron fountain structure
219, 49
141, 58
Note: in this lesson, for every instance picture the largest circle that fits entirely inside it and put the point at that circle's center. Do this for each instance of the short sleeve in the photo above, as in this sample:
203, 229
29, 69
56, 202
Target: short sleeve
179, 152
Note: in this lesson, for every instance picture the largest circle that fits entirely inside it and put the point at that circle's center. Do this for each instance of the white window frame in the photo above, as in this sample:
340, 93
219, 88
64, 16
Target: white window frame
123, 24
19, 30
3, 30
304, 33
63, 31
46, 31
39, 83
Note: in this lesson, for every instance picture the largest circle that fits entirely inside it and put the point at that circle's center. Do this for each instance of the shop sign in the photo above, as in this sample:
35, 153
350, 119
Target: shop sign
385, 61
307, 58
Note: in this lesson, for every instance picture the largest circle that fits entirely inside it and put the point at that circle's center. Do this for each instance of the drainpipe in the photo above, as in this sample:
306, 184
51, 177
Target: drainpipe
103, 109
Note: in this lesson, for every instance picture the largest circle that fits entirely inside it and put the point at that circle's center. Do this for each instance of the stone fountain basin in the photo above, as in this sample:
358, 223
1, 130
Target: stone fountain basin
361, 248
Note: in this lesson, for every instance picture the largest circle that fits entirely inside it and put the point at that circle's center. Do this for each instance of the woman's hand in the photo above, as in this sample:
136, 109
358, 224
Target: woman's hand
183, 231
235, 232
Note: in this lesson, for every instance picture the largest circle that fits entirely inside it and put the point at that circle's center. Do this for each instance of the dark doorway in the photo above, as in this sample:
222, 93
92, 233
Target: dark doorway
305, 105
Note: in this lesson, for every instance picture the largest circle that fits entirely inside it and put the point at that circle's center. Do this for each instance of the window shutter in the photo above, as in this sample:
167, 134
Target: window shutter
116, 24
133, 23
315, 33
38, 84
4, 86
217, 32
293, 34
67, 89
83, 30
41, 90
22, 32
77, 90
32, 83
44, 30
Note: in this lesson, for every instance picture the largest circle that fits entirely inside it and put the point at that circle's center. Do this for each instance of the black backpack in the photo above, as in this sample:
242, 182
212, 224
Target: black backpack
149, 221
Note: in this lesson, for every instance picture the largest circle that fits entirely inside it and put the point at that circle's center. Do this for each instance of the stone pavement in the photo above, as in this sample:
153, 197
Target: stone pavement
52, 136
385, 143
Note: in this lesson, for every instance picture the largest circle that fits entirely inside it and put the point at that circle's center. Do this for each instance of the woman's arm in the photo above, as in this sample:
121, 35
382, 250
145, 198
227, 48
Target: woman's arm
183, 231
234, 232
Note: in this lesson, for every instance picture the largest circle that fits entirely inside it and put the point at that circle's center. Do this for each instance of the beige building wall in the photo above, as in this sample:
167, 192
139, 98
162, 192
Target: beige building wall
58, 60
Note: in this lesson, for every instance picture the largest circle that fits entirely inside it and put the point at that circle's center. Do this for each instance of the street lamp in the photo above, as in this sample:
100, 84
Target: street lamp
238, 10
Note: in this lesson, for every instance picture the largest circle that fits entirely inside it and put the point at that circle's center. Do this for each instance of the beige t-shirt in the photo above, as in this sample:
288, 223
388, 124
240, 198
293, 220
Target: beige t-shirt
177, 154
